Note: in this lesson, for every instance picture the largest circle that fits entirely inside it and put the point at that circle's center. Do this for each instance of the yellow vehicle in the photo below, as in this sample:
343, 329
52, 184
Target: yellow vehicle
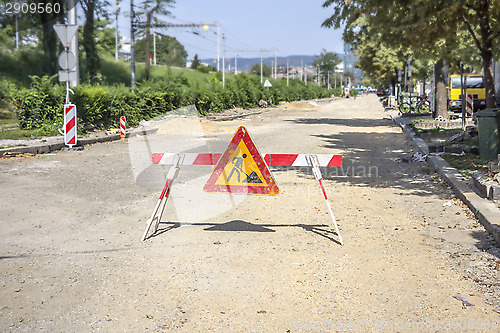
475, 87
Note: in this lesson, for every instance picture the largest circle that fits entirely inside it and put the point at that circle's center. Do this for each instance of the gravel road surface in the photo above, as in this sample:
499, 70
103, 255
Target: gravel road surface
414, 258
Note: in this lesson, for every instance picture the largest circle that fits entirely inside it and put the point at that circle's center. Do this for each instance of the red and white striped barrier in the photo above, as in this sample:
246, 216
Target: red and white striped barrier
162, 200
123, 127
290, 160
313, 162
70, 134
470, 106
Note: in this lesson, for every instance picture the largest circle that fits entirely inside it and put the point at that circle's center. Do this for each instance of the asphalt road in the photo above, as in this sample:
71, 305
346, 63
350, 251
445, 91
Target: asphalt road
72, 259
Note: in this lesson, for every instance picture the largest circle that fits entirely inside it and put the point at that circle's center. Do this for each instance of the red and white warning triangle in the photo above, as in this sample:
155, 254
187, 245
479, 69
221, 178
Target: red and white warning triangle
241, 169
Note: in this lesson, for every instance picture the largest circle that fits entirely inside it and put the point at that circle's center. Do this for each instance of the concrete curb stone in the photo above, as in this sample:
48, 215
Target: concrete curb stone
48, 147
486, 211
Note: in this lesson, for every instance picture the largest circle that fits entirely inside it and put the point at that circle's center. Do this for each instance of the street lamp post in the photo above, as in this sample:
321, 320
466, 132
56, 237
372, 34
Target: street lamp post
117, 12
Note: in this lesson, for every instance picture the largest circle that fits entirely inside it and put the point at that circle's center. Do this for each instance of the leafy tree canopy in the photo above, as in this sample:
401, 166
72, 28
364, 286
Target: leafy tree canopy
266, 70
326, 61
169, 51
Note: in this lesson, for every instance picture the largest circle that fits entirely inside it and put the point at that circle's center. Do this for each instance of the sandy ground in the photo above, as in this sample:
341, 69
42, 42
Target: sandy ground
71, 258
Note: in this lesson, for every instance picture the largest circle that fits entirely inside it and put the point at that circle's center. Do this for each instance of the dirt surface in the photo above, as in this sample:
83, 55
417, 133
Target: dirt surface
72, 259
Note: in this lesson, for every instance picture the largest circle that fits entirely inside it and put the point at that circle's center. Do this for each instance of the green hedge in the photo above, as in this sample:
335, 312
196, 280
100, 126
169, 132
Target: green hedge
102, 105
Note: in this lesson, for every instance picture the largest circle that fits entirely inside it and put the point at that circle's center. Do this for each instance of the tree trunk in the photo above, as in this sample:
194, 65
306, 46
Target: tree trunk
49, 43
440, 107
489, 83
148, 45
485, 46
91, 56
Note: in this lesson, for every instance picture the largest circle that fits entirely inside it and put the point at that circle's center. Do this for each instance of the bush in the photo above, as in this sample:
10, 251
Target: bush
41, 104
102, 105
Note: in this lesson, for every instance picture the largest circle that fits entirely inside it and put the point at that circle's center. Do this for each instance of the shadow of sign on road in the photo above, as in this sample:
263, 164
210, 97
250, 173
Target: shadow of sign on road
240, 225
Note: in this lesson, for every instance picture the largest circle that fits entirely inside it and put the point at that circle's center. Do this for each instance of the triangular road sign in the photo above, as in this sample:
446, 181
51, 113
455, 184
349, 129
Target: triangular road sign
241, 169
66, 32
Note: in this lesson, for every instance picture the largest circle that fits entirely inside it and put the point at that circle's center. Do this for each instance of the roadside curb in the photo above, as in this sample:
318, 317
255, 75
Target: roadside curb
226, 118
48, 147
486, 211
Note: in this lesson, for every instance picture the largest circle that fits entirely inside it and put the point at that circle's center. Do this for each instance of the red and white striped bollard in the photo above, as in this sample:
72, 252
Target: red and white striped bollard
70, 133
123, 127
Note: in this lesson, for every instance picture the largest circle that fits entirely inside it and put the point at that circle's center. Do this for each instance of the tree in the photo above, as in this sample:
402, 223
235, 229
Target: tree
91, 8
483, 15
169, 51
428, 28
196, 62
105, 38
326, 61
49, 39
379, 60
152, 9
266, 70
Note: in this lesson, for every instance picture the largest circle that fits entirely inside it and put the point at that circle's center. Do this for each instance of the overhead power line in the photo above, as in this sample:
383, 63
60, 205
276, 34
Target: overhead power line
192, 25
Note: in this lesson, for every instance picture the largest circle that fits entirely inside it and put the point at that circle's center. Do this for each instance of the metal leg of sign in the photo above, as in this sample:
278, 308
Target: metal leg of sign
162, 200
313, 162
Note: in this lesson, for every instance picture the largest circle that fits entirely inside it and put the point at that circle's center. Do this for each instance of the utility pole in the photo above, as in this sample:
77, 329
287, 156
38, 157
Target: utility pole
154, 46
275, 63
287, 72
335, 76
328, 78
236, 63
117, 12
74, 43
301, 69
261, 66
317, 79
218, 43
251, 51
17, 31
223, 66
132, 45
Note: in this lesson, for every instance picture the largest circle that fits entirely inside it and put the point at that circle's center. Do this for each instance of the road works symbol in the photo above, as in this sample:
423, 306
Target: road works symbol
241, 169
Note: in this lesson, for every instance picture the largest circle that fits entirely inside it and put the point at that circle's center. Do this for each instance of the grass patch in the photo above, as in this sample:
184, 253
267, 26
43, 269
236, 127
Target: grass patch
467, 165
9, 126
438, 130
8, 118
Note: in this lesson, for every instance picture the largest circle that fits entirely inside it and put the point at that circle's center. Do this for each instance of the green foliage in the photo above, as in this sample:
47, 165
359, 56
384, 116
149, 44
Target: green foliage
204, 69
326, 61
453, 31
41, 105
266, 70
196, 62
17, 66
7, 89
169, 51
91, 9
105, 37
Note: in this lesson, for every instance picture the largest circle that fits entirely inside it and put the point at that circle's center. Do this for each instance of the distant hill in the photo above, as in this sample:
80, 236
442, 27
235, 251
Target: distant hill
244, 64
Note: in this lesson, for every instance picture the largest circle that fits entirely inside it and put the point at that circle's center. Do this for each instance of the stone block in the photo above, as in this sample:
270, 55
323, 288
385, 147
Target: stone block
494, 167
453, 149
494, 190
436, 148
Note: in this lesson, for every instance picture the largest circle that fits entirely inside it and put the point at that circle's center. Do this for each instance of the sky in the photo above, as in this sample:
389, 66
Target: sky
293, 27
